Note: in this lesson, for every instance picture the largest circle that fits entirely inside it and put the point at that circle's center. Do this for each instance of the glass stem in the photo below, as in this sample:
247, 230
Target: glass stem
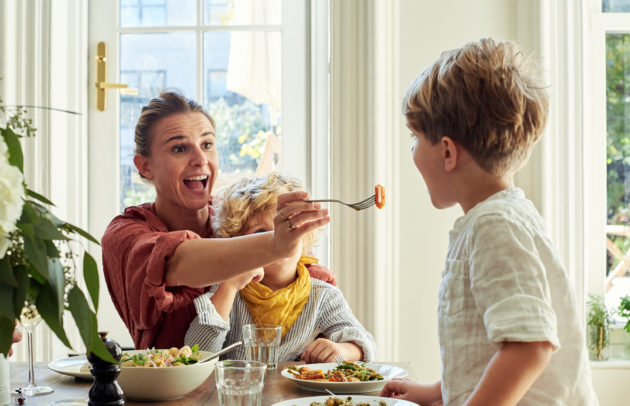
31, 369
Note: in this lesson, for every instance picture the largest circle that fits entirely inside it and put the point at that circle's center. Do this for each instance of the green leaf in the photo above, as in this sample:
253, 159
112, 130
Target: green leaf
6, 273
15, 149
35, 195
27, 228
35, 250
83, 233
57, 282
46, 230
48, 307
6, 333
90, 275
19, 294
6, 301
87, 324
51, 249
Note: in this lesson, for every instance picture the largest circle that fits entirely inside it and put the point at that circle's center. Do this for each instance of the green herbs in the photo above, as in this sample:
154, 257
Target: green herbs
624, 311
598, 324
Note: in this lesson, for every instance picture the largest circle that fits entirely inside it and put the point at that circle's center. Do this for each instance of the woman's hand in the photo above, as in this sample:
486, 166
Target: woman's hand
406, 389
294, 218
324, 350
15, 338
242, 280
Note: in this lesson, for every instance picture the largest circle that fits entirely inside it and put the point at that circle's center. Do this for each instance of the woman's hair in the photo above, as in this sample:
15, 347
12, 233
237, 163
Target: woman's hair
485, 96
170, 102
237, 204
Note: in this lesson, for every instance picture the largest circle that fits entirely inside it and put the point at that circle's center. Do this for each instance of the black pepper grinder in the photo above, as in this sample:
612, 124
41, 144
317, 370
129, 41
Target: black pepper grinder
105, 390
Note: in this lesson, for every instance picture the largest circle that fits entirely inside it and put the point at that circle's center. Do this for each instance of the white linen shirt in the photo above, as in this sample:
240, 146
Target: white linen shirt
325, 313
503, 281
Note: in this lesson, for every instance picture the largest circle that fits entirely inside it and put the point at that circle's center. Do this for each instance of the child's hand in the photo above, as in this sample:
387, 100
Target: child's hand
242, 280
406, 389
324, 350
15, 338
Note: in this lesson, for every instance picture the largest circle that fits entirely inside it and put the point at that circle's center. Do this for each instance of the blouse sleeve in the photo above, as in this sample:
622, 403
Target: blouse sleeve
134, 261
208, 329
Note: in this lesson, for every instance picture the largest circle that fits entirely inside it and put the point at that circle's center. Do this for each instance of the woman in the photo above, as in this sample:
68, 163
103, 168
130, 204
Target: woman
157, 257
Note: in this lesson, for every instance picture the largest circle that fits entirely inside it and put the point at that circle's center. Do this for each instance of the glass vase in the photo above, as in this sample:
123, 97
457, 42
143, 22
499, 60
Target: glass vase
598, 342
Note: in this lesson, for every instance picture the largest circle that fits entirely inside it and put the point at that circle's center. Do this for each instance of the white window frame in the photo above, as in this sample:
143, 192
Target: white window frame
598, 25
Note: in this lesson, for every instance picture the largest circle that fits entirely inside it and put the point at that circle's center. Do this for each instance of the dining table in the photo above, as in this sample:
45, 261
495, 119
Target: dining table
276, 389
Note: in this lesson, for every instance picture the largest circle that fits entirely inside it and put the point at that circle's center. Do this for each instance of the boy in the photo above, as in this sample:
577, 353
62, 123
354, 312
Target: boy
508, 330
317, 321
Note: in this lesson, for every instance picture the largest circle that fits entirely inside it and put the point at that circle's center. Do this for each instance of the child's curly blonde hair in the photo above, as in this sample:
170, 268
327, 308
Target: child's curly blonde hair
485, 96
235, 205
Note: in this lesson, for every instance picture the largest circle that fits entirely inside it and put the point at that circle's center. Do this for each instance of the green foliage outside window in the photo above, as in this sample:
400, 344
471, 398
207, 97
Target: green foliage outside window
618, 135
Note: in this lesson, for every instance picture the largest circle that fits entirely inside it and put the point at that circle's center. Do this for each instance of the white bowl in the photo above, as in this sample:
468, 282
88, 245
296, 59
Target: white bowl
163, 383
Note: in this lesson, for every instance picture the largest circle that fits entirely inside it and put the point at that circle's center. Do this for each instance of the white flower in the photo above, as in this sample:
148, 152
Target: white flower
11, 197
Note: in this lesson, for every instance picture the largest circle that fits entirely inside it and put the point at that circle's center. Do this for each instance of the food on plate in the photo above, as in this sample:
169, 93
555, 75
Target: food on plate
349, 371
335, 401
379, 191
153, 358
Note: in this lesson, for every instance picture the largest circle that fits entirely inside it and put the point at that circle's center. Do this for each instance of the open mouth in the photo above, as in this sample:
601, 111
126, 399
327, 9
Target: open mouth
196, 182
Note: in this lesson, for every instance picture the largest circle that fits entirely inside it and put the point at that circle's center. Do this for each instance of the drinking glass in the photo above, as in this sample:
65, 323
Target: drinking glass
240, 383
29, 319
262, 342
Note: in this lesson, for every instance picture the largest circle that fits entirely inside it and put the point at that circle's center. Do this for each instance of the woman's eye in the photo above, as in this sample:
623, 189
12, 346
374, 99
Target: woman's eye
208, 145
178, 148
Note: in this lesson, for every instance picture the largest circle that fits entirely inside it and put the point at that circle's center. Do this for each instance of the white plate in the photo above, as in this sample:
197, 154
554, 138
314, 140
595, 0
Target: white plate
71, 366
389, 372
372, 400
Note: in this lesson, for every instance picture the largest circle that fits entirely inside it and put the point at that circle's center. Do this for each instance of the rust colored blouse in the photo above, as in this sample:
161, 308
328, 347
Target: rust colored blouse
136, 247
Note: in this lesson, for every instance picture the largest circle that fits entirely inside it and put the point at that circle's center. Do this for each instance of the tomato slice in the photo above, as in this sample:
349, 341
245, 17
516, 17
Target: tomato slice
379, 191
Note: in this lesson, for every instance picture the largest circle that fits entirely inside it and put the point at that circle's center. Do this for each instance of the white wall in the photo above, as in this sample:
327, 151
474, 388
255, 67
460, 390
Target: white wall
427, 28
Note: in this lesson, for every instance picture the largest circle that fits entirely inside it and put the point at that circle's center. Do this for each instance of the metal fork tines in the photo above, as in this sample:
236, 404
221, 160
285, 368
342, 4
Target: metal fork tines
363, 204
338, 359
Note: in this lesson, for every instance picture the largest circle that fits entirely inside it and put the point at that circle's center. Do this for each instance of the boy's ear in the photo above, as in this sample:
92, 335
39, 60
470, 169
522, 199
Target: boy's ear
142, 164
449, 153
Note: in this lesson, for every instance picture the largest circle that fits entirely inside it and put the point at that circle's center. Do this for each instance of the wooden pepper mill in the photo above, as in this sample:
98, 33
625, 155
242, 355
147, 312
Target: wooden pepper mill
105, 390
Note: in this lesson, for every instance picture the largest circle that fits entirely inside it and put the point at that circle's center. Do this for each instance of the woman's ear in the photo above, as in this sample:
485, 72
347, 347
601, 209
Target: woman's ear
449, 153
142, 164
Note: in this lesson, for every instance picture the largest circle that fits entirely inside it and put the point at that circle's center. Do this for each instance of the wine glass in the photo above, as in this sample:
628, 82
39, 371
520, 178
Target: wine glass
29, 319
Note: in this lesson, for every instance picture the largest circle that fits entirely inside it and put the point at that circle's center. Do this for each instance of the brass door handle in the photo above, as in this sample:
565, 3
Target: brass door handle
101, 79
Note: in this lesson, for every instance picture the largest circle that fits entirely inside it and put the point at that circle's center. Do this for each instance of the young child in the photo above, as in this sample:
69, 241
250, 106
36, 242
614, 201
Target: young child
317, 322
509, 331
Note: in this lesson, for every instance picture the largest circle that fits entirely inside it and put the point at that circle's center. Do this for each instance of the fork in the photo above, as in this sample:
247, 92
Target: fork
363, 204
338, 359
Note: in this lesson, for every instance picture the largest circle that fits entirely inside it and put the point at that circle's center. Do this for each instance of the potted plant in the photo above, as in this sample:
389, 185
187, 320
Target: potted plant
598, 328
37, 262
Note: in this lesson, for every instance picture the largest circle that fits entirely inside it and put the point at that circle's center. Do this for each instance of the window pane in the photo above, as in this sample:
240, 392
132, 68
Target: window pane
242, 91
618, 166
149, 63
157, 13
242, 12
616, 6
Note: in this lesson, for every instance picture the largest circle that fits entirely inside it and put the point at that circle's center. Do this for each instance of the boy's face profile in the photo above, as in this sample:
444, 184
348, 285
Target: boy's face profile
429, 159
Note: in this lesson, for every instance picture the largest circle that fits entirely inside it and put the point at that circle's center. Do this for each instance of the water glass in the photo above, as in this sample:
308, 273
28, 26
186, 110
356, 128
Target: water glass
240, 383
262, 342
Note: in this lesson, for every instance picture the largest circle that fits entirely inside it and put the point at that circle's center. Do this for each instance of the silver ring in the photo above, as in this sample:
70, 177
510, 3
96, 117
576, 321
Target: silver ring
291, 226
282, 216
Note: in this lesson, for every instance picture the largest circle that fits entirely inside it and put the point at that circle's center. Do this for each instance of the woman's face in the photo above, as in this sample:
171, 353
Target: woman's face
183, 164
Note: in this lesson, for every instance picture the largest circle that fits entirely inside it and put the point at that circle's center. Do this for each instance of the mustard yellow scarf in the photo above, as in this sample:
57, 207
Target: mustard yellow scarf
283, 306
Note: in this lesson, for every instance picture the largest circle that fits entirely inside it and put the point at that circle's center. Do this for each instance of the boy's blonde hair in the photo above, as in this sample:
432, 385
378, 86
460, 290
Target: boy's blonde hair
237, 204
486, 97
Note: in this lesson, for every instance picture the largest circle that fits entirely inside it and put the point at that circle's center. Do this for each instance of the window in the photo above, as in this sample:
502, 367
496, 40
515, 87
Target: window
237, 45
607, 77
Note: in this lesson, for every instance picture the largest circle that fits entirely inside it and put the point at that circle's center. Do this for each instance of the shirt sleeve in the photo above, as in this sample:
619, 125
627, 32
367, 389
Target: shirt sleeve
338, 323
208, 329
134, 260
509, 283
